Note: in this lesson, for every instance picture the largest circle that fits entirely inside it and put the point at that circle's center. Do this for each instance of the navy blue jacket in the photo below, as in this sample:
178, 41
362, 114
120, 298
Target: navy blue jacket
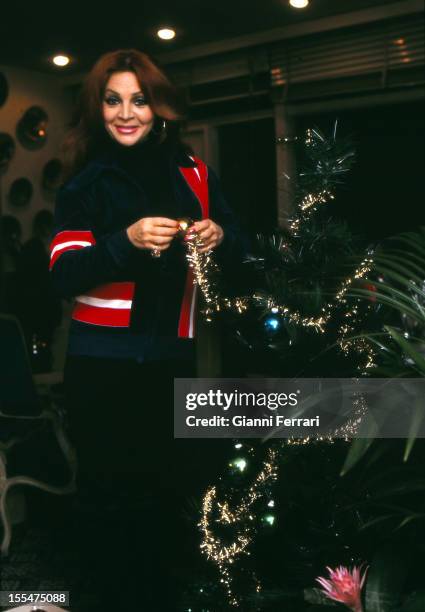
91, 255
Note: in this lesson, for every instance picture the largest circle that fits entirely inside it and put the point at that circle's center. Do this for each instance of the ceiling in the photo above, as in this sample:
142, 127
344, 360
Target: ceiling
31, 33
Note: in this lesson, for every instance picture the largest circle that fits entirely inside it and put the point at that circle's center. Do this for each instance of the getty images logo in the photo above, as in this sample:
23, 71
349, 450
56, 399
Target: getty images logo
237, 399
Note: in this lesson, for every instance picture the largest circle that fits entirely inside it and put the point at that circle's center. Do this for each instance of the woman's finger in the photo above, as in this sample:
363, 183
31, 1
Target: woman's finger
160, 239
156, 245
198, 226
164, 222
206, 234
163, 231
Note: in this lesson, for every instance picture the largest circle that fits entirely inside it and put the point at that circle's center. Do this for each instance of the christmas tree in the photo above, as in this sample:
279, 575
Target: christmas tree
287, 509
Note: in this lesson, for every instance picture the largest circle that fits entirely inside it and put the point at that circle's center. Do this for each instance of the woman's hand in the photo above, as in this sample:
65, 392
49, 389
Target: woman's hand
153, 232
210, 233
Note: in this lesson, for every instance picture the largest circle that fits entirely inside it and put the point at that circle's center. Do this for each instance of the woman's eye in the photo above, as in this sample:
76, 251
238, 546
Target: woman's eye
112, 101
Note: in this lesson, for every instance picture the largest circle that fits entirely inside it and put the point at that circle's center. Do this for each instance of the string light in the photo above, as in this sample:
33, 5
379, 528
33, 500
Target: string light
241, 517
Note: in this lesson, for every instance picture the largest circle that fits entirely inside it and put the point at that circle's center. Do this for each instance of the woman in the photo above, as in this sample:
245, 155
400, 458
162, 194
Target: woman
116, 249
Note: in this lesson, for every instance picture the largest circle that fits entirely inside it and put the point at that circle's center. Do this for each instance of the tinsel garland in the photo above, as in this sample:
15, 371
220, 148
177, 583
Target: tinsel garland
242, 516
224, 555
206, 270
328, 160
325, 161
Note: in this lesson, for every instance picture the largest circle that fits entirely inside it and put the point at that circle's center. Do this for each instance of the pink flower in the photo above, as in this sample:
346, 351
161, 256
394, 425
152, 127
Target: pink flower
344, 585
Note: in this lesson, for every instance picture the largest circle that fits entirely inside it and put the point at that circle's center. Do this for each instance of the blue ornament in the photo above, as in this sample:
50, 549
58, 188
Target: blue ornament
271, 323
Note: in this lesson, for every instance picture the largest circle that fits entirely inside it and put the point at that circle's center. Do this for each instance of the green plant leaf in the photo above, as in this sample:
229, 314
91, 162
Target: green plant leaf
415, 425
385, 580
358, 449
412, 256
407, 348
409, 519
414, 240
400, 488
414, 603
375, 521
399, 269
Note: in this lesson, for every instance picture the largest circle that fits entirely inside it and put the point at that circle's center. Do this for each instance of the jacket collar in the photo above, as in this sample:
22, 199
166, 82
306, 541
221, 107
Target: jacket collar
104, 161
176, 154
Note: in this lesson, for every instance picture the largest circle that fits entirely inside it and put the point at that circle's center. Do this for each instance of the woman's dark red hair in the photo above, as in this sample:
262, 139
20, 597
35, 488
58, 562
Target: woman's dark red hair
86, 128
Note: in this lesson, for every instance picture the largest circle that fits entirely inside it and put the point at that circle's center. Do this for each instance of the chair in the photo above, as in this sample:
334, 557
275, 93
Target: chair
22, 410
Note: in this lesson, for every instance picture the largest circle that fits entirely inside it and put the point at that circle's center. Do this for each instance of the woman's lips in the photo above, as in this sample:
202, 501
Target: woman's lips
126, 130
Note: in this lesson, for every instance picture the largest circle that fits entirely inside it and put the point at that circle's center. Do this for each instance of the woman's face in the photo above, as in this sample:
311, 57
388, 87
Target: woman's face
127, 117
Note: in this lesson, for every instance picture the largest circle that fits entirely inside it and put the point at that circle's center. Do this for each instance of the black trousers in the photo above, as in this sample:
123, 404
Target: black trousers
134, 481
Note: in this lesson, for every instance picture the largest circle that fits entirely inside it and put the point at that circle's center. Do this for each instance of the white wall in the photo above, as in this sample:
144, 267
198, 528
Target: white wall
29, 88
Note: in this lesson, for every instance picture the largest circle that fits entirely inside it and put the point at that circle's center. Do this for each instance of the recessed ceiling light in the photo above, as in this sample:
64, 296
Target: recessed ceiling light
166, 33
298, 3
61, 60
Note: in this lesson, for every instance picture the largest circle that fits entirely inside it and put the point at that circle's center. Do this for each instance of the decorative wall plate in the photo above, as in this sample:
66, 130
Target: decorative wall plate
7, 151
20, 192
51, 176
31, 130
4, 89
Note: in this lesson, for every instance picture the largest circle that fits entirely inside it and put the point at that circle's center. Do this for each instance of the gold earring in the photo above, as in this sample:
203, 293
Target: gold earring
162, 130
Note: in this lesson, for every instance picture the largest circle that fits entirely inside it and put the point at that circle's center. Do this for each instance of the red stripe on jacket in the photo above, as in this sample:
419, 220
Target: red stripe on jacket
68, 241
110, 317
113, 291
199, 186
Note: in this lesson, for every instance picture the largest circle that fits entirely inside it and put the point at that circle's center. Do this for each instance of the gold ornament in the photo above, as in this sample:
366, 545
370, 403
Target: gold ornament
185, 223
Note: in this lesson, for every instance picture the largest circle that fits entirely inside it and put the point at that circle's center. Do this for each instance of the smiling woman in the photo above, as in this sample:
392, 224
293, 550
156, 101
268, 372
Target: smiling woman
129, 181
128, 118
121, 92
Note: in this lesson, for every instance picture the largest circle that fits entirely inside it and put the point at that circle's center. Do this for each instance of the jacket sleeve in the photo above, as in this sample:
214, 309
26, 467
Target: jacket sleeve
235, 244
79, 261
